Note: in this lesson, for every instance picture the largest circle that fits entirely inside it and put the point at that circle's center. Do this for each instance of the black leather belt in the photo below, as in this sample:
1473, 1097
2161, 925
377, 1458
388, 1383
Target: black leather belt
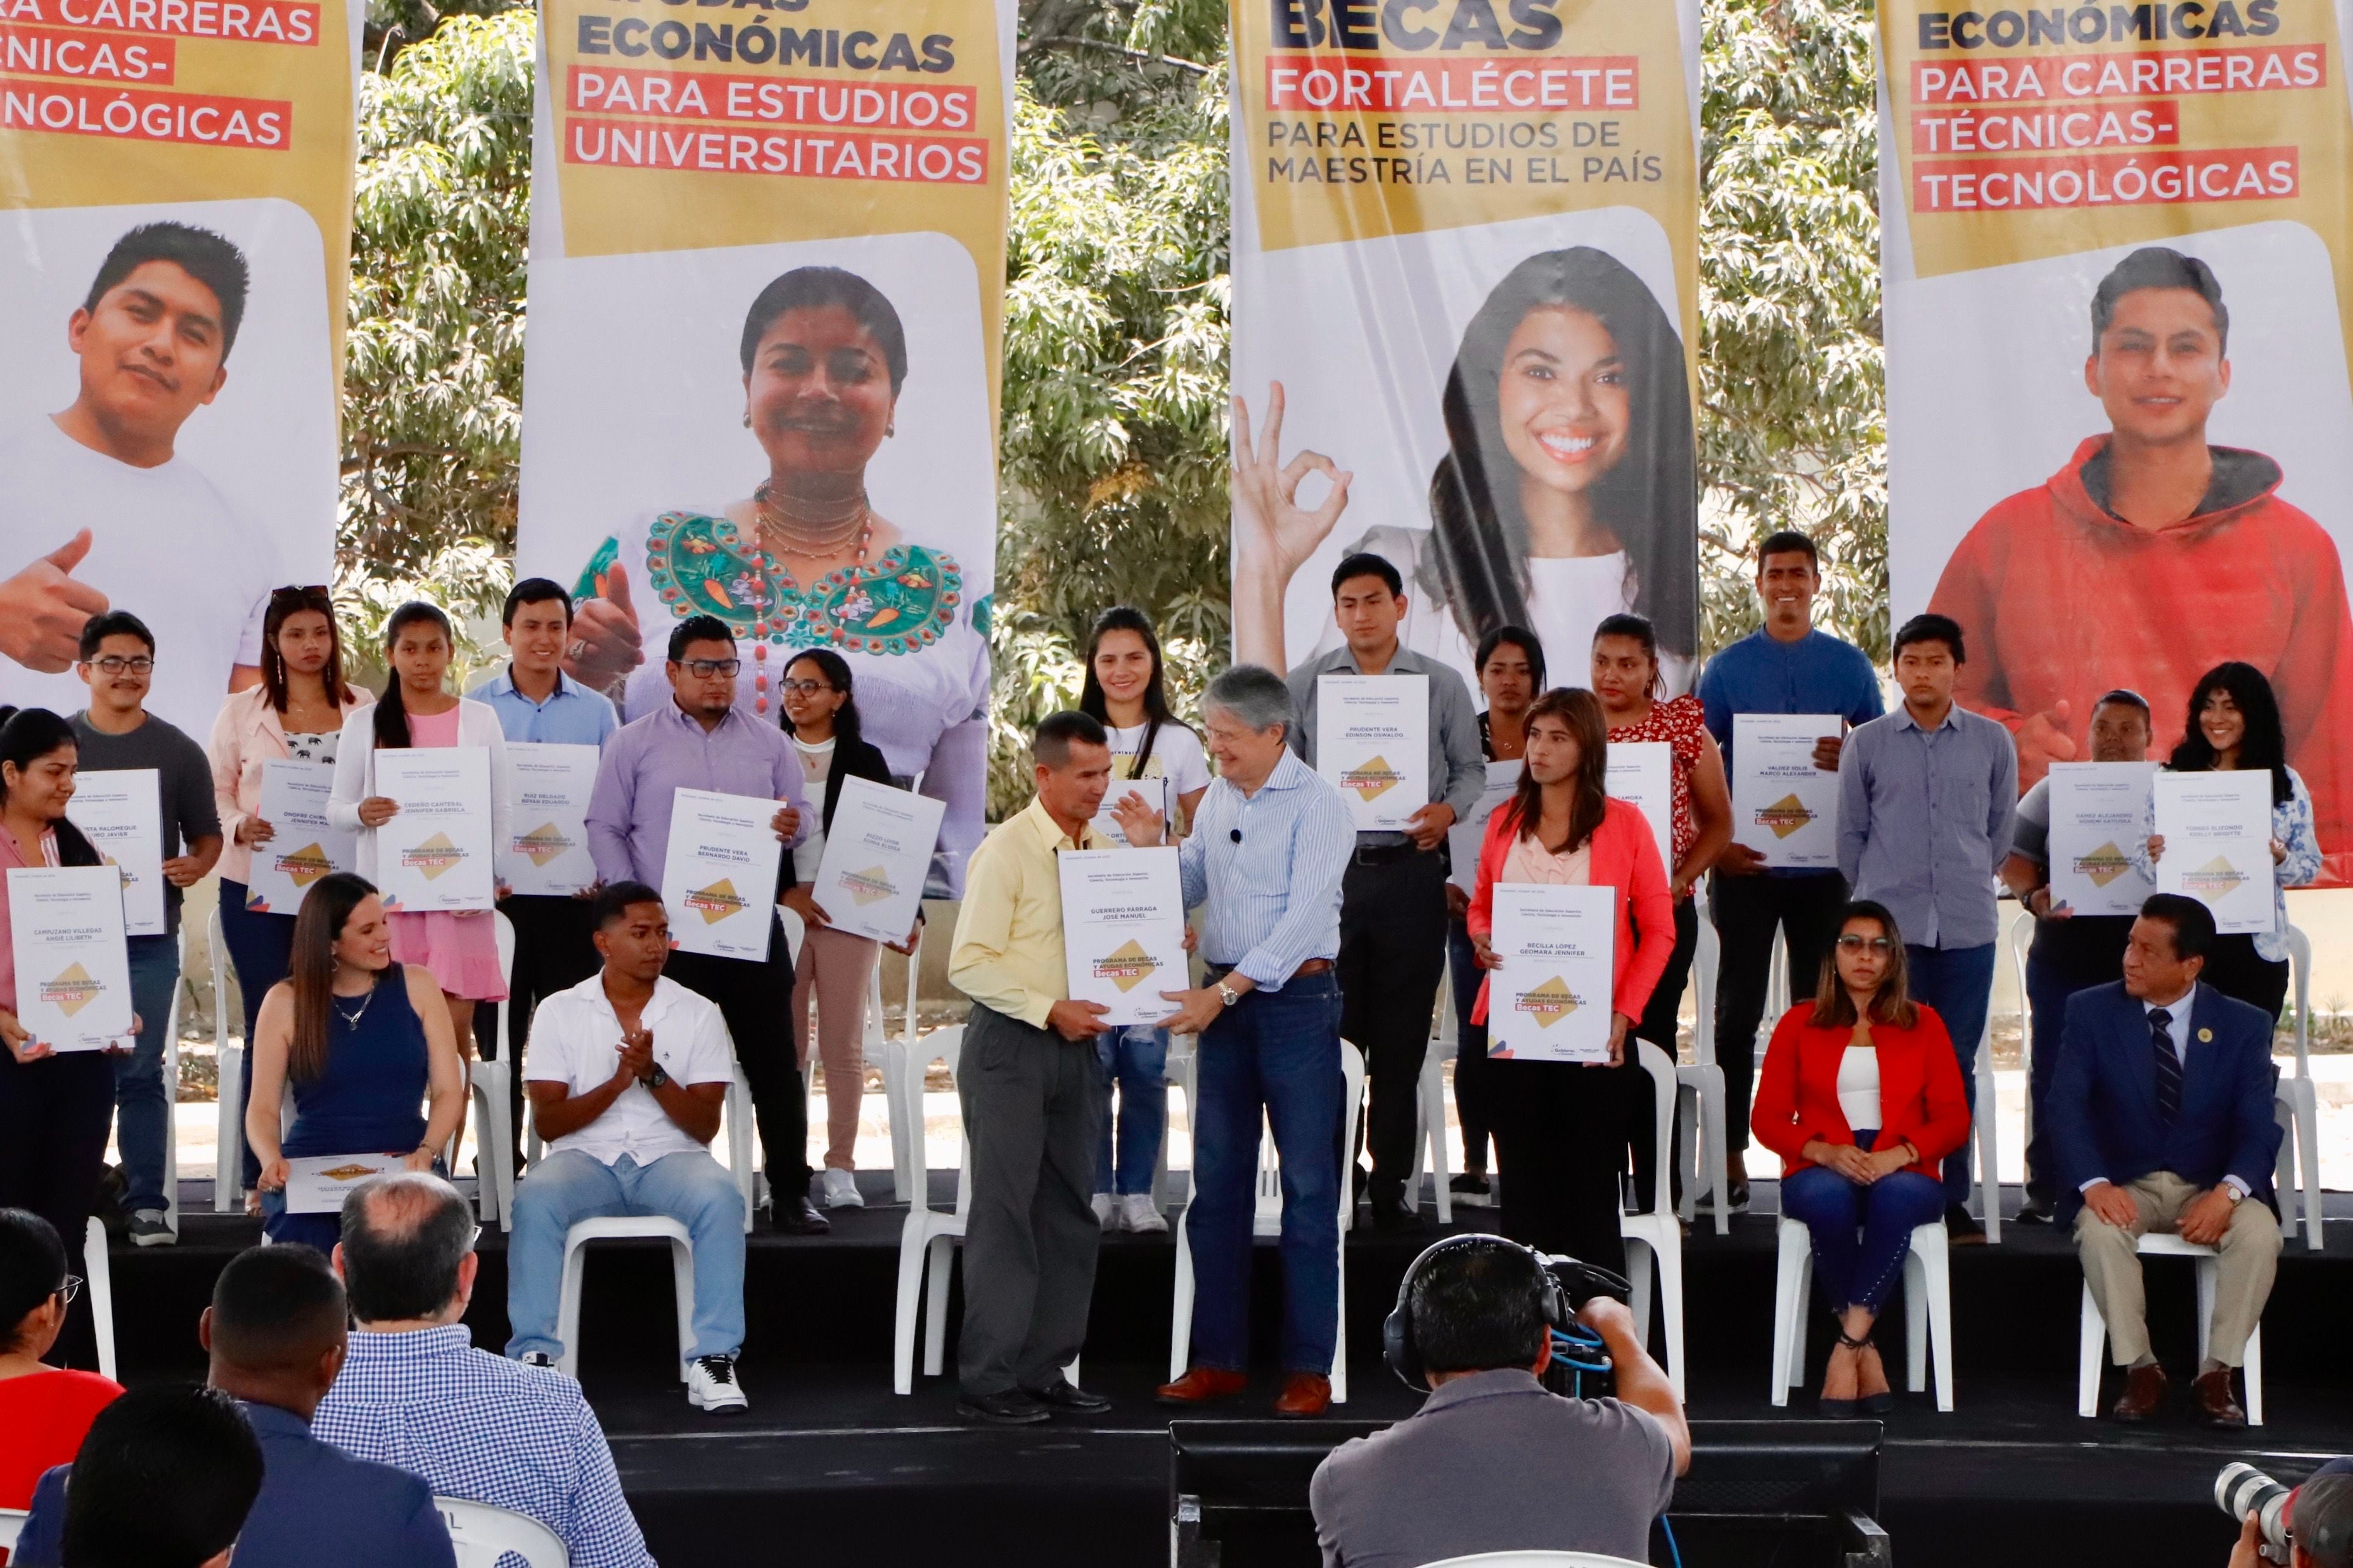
1212, 974
1386, 854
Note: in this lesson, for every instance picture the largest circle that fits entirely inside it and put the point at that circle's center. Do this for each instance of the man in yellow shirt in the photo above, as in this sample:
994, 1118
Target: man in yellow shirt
1032, 1088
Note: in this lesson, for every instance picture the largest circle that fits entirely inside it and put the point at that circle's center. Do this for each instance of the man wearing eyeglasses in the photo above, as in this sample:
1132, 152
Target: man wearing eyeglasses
117, 734
701, 739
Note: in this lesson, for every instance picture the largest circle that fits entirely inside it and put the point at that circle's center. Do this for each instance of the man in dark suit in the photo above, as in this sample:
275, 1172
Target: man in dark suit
2162, 1117
275, 1335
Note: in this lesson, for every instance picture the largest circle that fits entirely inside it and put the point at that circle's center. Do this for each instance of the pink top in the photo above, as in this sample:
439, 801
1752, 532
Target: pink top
434, 730
9, 857
1529, 861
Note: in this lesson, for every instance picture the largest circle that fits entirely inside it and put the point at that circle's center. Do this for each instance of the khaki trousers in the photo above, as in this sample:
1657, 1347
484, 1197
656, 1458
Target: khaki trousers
2249, 1258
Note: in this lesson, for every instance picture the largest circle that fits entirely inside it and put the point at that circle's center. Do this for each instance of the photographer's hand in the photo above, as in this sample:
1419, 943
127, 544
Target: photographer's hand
2248, 1552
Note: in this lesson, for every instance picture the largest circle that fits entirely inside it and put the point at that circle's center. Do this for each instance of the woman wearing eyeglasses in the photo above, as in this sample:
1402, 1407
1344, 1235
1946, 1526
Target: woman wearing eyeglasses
44, 1410
295, 714
1861, 1095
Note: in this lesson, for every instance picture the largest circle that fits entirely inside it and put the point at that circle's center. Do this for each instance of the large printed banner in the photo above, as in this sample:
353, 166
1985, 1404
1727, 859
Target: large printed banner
767, 266
175, 218
1464, 315
2118, 284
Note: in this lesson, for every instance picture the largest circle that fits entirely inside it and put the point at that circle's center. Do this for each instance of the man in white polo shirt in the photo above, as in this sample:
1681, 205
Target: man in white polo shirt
627, 1071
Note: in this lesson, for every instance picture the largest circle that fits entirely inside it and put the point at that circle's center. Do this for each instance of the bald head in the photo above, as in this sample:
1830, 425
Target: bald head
408, 1250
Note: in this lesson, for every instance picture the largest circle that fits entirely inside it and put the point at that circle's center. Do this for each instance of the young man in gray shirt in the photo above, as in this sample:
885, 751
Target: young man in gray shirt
1493, 1461
116, 733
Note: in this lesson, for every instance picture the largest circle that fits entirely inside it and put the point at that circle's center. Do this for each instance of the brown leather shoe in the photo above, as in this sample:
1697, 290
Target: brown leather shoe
2144, 1393
1202, 1385
1304, 1393
2210, 1396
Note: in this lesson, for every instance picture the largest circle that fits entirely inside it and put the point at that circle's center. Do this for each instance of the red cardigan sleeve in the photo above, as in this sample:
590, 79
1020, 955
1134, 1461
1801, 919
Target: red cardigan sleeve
1948, 1127
1650, 908
1774, 1115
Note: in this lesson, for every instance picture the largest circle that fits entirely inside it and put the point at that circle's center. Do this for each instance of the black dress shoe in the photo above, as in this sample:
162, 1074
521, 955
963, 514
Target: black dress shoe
798, 1216
1014, 1408
1961, 1228
2034, 1211
1067, 1396
1398, 1216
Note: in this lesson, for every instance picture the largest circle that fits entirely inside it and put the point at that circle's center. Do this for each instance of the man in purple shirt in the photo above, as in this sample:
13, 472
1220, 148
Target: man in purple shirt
701, 739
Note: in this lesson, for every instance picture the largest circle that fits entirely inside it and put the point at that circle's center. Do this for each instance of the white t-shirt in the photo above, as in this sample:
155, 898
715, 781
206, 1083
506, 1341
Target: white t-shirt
1177, 756
165, 547
817, 762
576, 1037
1858, 1090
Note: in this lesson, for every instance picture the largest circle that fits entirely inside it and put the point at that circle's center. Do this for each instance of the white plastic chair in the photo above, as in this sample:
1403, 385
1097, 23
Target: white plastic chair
229, 1152
1267, 1221
172, 1093
2016, 941
490, 1083
883, 1051
1927, 1310
1984, 1138
927, 1241
2299, 1104
12, 1521
98, 1271
482, 1535
614, 1228
2090, 1352
1429, 1105
1183, 1051
1537, 1560
1656, 1237
1700, 1094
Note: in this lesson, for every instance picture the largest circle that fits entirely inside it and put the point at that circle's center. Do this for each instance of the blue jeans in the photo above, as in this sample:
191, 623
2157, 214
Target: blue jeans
1470, 1102
1860, 1234
260, 946
1136, 1058
1958, 982
141, 1099
1279, 1050
569, 1187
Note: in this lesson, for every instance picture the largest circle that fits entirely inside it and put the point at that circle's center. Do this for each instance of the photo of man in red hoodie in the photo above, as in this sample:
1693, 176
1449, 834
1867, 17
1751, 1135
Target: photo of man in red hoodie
2152, 557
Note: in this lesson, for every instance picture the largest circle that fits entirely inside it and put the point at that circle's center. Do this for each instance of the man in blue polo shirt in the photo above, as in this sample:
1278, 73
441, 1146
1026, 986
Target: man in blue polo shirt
1787, 667
537, 703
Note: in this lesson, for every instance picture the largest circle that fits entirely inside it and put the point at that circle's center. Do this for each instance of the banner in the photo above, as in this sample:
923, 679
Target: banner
177, 180
767, 278
1465, 287
2118, 255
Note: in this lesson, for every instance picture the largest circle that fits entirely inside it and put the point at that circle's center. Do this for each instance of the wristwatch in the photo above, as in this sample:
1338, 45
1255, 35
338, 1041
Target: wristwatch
658, 1077
1228, 995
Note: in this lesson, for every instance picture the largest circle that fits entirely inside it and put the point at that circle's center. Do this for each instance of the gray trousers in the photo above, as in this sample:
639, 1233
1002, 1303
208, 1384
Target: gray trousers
1033, 1111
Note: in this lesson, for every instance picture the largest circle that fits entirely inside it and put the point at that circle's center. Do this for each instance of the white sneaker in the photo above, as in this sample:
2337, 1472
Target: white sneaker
540, 1359
841, 1190
1107, 1211
1138, 1213
710, 1386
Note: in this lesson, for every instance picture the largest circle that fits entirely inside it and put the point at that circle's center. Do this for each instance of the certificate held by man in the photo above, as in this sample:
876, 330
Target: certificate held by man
303, 845
719, 879
546, 851
1783, 807
73, 970
435, 852
1123, 930
119, 812
2099, 815
1372, 740
1551, 999
2217, 830
869, 881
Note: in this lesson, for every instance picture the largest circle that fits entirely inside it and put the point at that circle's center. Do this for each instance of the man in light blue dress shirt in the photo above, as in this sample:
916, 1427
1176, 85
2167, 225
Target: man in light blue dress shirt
538, 704
1269, 848
1927, 801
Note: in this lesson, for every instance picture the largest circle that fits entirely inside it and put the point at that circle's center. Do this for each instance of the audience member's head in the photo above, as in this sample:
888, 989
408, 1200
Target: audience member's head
631, 930
408, 1253
276, 1328
1477, 1307
163, 1480
32, 1284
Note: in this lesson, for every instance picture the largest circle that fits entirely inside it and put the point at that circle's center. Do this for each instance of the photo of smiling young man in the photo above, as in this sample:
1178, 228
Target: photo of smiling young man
2153, 556
100, 511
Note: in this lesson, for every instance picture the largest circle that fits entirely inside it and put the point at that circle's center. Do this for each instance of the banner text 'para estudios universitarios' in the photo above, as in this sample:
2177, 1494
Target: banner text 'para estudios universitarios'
2119, 262
761, 374
1464, 320
176, 180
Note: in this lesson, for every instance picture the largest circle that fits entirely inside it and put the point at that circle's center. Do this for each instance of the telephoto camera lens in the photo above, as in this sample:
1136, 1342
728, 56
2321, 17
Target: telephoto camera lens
2242, 1490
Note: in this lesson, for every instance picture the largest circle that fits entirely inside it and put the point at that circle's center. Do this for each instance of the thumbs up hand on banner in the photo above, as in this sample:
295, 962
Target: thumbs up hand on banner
2043, 739
605, 644
42, 609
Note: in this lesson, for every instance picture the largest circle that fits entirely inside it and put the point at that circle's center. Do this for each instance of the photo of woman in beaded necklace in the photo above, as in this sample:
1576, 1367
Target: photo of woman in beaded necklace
804, 559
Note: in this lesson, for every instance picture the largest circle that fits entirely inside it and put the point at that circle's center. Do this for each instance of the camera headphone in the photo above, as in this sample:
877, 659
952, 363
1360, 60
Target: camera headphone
1554, 1308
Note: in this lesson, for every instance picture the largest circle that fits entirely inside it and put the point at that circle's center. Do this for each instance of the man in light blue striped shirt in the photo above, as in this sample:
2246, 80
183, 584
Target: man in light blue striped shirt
1266, 855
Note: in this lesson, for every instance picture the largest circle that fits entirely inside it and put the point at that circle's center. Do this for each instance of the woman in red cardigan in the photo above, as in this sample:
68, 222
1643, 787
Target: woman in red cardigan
1561, 1126
1861, 1095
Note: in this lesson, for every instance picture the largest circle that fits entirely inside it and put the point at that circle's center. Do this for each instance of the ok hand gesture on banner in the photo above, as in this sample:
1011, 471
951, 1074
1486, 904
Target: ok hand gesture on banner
1274, 535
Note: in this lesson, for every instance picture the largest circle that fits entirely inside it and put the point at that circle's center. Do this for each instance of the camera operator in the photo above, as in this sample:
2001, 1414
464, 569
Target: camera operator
1493, 1462
2319, 1520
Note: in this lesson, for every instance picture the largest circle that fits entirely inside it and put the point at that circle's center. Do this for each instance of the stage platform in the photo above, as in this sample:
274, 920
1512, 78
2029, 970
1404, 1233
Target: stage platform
830, 1460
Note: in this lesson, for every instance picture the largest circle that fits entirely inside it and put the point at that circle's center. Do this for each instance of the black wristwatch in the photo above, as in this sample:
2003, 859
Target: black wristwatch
658, 1077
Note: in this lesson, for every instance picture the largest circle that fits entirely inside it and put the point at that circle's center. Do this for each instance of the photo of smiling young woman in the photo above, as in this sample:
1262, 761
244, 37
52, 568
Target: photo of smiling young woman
1567, 492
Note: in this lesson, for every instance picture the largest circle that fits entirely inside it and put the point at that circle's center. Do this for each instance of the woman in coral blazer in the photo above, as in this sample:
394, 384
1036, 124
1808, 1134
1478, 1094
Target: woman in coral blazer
1561, 1128
1861, 1095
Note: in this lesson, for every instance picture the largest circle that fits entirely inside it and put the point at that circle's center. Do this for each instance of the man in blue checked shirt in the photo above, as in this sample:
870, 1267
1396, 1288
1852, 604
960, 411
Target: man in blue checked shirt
414, 1393
1270, 846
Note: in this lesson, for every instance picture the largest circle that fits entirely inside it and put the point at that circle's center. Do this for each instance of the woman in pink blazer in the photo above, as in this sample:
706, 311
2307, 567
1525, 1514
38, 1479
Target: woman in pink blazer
1561, 1128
